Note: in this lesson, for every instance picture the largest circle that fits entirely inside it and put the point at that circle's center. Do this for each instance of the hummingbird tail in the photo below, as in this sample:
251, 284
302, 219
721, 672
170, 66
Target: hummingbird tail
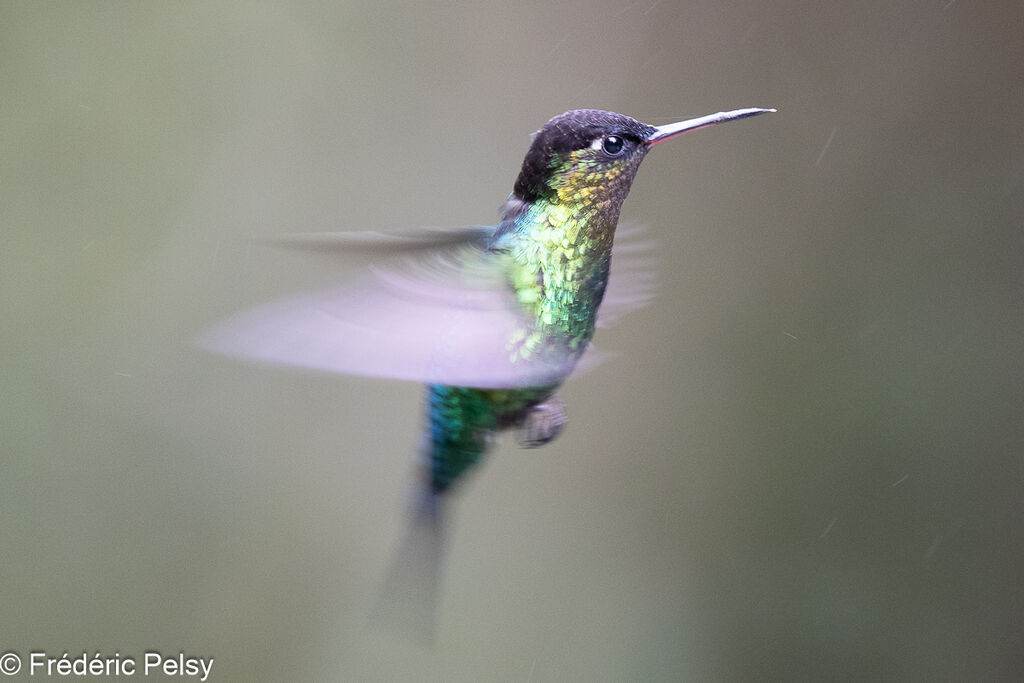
407, 602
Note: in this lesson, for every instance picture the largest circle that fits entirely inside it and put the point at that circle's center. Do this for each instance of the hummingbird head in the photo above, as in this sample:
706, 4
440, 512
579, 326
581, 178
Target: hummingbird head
589, 157
585, 156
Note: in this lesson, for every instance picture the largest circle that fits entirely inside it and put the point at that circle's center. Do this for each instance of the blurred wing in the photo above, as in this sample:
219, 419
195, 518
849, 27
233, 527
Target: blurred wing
633, 279
386, 243
449, 319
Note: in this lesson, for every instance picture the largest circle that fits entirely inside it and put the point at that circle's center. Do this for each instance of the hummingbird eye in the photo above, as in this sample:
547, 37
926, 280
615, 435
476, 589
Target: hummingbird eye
613, 145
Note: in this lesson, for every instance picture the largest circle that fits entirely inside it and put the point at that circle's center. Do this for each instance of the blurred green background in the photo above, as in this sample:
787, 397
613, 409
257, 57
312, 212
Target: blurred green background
806, 462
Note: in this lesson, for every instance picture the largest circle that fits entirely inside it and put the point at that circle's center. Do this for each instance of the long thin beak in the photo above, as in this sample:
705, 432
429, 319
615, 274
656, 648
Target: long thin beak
671, 130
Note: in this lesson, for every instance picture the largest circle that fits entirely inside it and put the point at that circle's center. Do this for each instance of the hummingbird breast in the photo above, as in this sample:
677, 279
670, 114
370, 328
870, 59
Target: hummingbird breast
560, 257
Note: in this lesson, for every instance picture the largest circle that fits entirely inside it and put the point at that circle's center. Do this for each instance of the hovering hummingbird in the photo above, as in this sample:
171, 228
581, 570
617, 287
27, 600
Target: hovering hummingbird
492, 319
498, 317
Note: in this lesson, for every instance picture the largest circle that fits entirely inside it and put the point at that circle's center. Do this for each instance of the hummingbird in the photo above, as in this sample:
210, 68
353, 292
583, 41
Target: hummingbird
493, 319
499, 316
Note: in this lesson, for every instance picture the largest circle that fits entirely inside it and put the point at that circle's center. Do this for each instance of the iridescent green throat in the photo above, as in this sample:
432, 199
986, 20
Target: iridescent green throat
560, 246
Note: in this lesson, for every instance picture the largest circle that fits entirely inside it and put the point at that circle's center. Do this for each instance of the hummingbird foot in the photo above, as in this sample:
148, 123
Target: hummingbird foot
543, 423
